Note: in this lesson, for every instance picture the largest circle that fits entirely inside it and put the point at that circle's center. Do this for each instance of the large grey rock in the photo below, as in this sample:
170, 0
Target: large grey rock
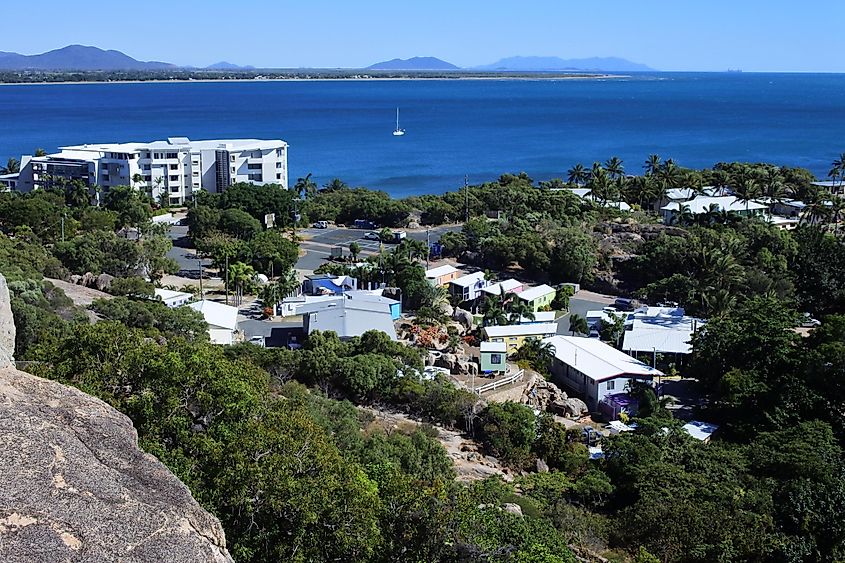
103, 282
463, 317
76, 487
7, 326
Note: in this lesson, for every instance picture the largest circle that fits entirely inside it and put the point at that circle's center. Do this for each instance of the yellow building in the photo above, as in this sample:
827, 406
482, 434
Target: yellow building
514, 336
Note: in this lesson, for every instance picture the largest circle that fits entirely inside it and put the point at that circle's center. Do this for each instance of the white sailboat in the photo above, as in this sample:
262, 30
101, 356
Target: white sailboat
398, 132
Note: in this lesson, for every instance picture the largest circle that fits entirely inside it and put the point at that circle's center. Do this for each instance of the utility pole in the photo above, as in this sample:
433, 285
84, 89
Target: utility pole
466, 193
227, 279
427, 247
63, 226
202, 294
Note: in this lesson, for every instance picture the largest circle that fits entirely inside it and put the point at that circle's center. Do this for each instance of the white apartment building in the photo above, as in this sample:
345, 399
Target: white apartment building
177, 167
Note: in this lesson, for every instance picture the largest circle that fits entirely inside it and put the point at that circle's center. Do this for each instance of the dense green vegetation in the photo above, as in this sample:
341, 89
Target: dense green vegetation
283, 445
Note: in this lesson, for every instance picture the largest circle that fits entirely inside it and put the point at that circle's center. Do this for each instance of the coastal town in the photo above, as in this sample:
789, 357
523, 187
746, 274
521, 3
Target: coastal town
528, 328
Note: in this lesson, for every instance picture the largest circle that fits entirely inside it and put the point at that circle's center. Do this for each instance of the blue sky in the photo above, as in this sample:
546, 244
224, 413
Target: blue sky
754, 35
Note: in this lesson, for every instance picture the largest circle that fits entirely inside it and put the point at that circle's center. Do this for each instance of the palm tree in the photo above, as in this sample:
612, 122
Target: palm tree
577, 175
773, 186
519, 309
385, 235
578, 324
336, 184
13, 166
493, 312
240, 276
305, 187
652, 164
838, 171
684, 215
599, 184
539, 353
747, 191
836, 209
614, 167
40, 152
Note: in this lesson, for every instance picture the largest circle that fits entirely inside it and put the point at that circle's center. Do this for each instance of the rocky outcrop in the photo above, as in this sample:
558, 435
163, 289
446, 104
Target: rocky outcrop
546, 396
7, 326
76, 487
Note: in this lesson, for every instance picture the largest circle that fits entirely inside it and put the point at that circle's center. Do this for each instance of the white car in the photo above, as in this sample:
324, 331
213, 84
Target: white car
809, 322
321, 225
372, 235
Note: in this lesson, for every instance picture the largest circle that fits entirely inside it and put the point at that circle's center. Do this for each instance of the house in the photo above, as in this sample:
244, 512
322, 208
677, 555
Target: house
597, 319
493, 357
833, 186
703, 204
222, 320
290, 306
507, 286
613, 405
593, 369
700, 430
516, 335
442, 275
324, 284
172, 298
538, 297
348, 317
468, 287
539, 317
659, 330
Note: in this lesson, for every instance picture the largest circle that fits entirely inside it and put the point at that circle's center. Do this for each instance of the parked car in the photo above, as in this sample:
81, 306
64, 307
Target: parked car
372, 235
321, 225
624, 304
364, 224
809, 322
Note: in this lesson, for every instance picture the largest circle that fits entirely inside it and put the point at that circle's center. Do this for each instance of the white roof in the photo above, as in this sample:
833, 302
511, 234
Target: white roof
469, 279
504, 331
217, 314
533, 293
506, 286
620, 205
660, 329
700, 430
168, 294
500, 347
175, 143
597, 360
539, 317
701, 204
441, 271
680, 193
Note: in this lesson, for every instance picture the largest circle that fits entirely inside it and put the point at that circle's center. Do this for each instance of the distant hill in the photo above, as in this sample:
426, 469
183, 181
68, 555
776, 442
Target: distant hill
223, 65
609, 64
77, 57
414, 63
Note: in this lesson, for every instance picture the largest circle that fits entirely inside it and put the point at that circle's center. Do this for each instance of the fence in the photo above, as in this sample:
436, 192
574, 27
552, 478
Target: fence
493, 385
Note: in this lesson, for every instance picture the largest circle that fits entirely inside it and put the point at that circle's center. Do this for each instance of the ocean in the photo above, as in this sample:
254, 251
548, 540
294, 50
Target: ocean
477, 128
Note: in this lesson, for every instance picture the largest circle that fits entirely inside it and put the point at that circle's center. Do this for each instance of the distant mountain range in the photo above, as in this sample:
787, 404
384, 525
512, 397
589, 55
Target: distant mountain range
527, 64
77, 57
414, 63
81, 57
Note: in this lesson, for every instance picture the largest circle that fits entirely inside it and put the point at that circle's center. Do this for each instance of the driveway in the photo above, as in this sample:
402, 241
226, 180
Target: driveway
579, 304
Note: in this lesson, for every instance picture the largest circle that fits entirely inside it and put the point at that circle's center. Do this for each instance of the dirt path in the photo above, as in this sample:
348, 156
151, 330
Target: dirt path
469, 462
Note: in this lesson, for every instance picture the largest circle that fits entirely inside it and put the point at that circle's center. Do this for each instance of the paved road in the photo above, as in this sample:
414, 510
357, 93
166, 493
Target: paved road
185, 257
320, 242
580, 304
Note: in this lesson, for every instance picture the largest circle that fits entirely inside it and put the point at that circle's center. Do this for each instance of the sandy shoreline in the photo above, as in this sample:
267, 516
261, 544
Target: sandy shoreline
301, 79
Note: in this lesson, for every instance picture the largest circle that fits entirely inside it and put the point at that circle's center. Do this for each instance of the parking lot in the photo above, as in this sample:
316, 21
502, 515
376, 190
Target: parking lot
318, 243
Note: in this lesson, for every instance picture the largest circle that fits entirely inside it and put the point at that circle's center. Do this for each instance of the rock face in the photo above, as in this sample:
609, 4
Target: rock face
76, 487
7, 326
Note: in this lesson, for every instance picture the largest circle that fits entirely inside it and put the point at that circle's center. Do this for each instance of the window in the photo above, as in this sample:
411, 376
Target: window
172, 155
174, 178
196, 173
278, 176
148, 178
174, 167
495, 358
278, 165
146, 167
279, 153
174, 190
611, 385
233, 158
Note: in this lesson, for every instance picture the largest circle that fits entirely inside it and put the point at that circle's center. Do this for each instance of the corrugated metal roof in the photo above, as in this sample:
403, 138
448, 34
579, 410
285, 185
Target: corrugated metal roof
217, 314
533, 293
597, 360
535, 329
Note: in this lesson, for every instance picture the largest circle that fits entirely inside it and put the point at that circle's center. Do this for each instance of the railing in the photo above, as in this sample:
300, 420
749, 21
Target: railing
493, 385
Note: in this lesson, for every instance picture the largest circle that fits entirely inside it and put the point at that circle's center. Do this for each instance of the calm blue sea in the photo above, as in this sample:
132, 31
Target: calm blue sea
480, 128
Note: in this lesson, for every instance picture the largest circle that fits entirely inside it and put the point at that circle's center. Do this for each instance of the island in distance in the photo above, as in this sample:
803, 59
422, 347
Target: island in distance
541, 64
414, 63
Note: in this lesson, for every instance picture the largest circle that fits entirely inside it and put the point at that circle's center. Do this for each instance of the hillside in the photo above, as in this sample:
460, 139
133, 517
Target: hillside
77, 57
610, 64
414, 63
